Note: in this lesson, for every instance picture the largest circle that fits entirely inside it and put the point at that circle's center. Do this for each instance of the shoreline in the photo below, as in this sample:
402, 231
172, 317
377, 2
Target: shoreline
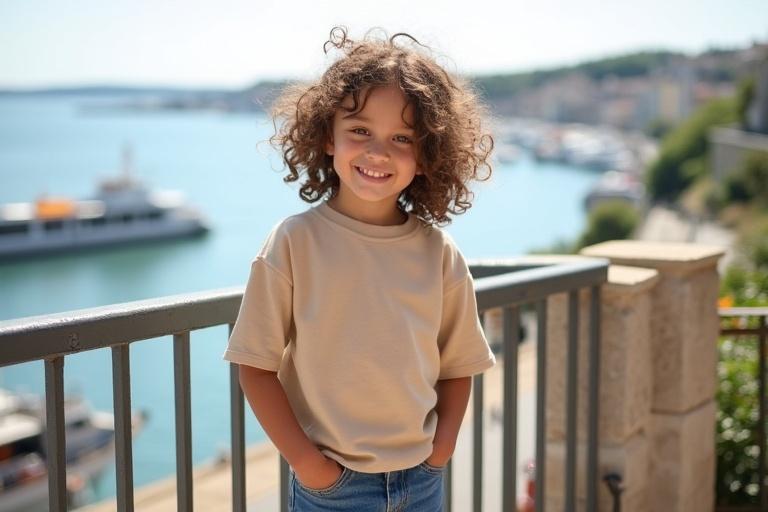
212, 484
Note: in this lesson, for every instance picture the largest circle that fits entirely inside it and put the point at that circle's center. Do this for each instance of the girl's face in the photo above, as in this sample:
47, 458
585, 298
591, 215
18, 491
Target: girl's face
373, 150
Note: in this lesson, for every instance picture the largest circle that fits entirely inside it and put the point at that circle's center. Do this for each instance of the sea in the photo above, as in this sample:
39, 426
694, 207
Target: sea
62, 146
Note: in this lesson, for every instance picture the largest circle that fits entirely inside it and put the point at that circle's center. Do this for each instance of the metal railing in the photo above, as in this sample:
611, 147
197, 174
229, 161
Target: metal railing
509, 286
760, 333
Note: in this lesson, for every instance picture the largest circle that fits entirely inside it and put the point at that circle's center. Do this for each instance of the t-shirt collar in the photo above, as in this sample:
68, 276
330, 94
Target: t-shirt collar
365, 229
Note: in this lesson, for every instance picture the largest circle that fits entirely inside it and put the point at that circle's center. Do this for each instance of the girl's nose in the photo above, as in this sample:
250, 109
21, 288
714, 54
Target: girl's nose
377, 150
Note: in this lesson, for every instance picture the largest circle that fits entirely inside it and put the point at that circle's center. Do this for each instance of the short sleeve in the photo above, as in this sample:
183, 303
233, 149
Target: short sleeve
464, 350
263, 326
262, 329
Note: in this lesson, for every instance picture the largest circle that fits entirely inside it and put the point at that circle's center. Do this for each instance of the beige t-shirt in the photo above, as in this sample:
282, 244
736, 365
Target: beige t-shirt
360, 321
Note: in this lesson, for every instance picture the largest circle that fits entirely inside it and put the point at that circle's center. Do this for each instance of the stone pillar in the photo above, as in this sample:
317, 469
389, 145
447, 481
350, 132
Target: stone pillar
625, 389
683, 333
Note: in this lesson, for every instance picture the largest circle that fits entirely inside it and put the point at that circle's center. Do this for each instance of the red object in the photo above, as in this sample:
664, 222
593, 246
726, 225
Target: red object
525, 502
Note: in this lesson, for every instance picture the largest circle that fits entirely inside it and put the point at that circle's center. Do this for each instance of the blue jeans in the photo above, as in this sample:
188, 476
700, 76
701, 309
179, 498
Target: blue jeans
417, 489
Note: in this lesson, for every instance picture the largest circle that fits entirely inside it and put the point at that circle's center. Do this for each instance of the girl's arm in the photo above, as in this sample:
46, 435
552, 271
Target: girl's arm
267, 398
452, 399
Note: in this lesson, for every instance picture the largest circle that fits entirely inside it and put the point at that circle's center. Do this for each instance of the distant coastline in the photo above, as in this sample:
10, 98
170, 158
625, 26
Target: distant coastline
630, 92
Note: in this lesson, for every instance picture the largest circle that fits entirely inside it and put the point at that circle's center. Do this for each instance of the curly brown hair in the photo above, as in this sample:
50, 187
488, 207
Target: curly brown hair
452, 145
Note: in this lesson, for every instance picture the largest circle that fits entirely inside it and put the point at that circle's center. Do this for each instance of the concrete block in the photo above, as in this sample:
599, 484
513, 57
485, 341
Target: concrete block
684, 325
625, 364
682, 468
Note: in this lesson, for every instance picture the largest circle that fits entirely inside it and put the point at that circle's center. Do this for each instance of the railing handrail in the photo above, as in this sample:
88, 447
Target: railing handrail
58, 334
39, 337
534, 283
498, 284
743, 311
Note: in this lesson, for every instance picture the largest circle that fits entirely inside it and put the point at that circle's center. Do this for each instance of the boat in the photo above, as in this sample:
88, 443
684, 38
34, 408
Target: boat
124, 210
89, 449
616, 186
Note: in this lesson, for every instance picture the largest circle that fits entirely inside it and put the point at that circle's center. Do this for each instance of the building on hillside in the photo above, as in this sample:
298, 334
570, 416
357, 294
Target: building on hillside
731, 145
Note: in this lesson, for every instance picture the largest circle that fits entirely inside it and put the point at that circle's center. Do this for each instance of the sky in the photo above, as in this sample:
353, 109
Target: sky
235, 43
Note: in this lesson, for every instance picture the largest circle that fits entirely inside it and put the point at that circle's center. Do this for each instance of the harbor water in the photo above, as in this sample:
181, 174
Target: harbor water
55, 146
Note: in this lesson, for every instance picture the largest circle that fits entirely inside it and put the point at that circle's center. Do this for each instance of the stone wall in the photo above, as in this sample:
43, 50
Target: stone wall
625, 388
730, 147
658, 373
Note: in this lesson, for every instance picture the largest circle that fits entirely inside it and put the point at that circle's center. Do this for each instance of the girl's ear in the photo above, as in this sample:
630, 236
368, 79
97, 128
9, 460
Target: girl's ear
329, 148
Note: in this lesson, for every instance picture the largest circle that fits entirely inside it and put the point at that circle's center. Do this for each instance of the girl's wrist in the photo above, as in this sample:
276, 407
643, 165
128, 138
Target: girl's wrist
308, 459
444, 440
438, 459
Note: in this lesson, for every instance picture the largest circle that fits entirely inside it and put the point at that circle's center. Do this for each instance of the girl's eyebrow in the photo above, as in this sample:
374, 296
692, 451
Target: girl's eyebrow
359, 117
356, 115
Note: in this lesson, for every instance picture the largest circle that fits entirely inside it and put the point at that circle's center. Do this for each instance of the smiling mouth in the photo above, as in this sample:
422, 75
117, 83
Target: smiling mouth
371, 174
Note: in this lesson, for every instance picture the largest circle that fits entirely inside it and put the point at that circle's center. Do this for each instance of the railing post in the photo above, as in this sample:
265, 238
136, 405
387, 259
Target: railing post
237, 422
448, 487
477, 438
183, 422
54, 434
511, 336
761, 340
121, 393
572, 388
594, 392
541, 404
284, 476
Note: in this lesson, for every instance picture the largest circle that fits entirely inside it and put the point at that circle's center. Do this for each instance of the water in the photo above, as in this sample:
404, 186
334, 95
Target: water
52, 145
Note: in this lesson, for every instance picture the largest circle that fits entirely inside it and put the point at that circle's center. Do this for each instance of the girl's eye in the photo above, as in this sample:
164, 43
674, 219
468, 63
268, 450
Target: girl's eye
360, 131
403, 138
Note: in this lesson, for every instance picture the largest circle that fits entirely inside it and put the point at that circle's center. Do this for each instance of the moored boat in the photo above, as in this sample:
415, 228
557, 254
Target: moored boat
23, 474
123, 211
616, 186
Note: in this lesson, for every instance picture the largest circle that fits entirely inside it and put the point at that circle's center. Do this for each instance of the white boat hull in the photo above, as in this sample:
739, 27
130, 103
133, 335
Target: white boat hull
74, 236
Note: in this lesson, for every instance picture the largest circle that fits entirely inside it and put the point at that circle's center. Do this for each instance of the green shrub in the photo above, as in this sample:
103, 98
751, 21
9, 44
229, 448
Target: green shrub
609, 220
658, 128
560, 246
745, 286
750, 181
755, 243
737, 447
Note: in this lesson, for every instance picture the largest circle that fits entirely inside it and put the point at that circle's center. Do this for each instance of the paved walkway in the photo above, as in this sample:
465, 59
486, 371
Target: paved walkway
666, 225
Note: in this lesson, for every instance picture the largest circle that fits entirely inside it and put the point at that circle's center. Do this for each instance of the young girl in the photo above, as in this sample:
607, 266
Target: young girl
358, 332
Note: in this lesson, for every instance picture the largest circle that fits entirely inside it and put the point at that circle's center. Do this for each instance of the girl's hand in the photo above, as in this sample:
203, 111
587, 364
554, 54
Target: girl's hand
322, 476
437, 461
442, 451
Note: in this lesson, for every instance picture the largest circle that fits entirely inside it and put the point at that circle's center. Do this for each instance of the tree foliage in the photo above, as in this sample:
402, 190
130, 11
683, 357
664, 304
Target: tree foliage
682, 157
749, 183
625, 66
